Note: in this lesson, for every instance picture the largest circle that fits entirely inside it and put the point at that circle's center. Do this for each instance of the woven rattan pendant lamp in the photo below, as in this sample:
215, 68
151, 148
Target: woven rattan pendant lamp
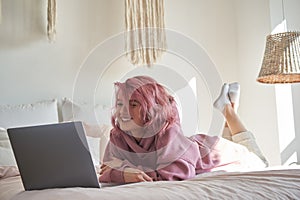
281, 62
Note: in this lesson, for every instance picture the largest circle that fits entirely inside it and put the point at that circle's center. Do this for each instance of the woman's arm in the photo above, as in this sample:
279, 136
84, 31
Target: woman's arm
176, 171
128, 175
116, 168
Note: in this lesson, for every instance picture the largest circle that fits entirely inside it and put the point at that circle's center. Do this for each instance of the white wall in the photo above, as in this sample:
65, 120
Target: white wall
263, 113
293, 24
33, 69
287, 13
258, 107
229, 32
29, 59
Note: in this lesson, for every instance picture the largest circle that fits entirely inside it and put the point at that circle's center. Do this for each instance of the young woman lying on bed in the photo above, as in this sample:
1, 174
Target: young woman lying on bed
147, 143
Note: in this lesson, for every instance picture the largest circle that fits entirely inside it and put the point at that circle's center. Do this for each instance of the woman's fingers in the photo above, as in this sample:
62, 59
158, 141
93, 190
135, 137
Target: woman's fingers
134, 175
103, 169
146, 177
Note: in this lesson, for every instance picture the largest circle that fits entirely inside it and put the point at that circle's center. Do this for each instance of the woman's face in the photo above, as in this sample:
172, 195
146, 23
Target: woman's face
128, 114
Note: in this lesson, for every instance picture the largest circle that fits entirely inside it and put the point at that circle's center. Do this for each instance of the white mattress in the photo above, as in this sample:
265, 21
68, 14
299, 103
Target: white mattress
282, 183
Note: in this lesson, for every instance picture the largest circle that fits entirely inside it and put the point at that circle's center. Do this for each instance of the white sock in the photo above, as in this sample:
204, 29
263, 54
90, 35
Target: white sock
223, 98
234, 94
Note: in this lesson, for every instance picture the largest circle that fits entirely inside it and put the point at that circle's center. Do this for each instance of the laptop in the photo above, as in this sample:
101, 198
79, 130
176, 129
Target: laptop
53, 156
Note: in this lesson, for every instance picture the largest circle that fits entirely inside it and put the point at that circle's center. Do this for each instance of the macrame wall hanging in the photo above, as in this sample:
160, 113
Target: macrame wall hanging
145, 39
0, 12
51, 19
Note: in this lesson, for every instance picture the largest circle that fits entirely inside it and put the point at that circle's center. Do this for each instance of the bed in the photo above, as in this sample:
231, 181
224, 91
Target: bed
270, 183
282, 182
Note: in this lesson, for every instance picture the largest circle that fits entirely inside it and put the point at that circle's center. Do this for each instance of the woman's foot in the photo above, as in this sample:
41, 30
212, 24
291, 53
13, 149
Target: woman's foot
234, 94
223, 98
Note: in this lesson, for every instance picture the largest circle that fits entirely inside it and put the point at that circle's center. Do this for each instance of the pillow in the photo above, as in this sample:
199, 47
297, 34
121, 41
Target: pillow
96, 121
94, 149
100, 134
6, 152
42, 112
90, 114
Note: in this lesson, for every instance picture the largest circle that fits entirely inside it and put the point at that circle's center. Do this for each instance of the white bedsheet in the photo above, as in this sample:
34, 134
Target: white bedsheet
267, 184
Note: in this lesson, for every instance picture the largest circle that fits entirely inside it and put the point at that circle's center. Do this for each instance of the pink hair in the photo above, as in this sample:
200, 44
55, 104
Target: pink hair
157, 106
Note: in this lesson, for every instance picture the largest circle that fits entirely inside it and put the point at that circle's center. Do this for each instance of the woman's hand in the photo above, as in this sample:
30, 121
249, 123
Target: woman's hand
114, 163
104, 168
132, 175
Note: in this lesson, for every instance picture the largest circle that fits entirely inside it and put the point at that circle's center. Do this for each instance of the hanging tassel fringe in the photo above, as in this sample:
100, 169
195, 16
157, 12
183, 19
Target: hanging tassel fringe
51, 17
145, 31
0, 12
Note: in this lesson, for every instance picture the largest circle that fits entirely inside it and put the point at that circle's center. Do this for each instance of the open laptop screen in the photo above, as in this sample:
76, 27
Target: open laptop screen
53, 156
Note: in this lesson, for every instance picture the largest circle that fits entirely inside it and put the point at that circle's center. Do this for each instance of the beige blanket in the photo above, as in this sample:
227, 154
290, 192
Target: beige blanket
282, 183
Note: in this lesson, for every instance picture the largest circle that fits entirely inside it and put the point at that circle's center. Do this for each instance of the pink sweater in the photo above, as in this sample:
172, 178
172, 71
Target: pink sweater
167, 156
